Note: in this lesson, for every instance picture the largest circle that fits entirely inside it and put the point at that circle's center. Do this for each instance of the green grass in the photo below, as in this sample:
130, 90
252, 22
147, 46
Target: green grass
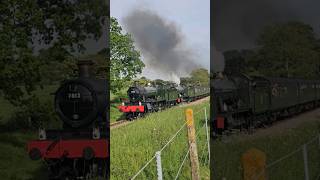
134, 144
14, 160
227, 154
115, 114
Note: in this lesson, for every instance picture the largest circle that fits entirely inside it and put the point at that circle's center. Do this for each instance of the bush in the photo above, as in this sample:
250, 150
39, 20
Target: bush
33, 114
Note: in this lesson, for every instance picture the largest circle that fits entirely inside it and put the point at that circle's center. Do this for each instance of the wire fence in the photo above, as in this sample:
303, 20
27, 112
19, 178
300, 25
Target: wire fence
300, 161
158, 154
303, 163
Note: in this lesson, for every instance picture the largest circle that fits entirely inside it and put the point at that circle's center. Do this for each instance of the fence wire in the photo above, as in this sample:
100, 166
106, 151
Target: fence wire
168, 142
185, 157
301, 148
181, 165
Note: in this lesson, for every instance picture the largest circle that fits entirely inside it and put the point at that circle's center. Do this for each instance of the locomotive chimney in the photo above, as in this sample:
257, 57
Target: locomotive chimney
84, 67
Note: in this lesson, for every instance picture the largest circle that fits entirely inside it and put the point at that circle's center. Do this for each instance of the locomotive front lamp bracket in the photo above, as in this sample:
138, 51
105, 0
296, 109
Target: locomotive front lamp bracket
96, 133
42, 134
254, 84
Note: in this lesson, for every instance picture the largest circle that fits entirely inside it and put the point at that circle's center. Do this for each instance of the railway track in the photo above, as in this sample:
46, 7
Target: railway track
118, 123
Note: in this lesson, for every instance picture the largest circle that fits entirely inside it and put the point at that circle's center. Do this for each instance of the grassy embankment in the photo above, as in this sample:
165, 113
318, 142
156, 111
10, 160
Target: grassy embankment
115, 101
134, 144
14, 161
227, 154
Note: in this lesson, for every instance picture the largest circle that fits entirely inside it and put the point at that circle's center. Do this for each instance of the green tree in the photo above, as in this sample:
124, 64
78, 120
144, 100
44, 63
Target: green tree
36, 33
159, 82
185, 81
288, 49
236, 61
125, 59
143, 81
201, 76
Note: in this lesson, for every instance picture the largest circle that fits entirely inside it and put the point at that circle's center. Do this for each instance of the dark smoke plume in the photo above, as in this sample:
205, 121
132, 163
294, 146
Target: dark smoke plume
160, 42
237, 24
218, 62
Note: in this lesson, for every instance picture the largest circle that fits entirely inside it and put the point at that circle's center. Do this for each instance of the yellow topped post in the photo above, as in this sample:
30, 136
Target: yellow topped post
254, 165
195, 170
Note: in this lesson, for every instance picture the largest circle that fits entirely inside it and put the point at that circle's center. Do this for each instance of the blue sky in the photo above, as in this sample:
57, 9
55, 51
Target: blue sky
191, 16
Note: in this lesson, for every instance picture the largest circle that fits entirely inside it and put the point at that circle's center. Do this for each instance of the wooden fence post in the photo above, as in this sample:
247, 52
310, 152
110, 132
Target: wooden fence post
195, 170
254, 165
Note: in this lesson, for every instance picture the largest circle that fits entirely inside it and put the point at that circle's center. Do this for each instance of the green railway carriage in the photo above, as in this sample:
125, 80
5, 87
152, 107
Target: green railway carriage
307, 91
172, 95
274, 94
195, 92
167, 94
283, 93
261, 95
256, 99
188, 92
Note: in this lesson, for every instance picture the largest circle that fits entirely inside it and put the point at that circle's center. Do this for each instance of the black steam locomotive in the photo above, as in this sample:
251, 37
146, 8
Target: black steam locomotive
80, 149
151, 99
242, 101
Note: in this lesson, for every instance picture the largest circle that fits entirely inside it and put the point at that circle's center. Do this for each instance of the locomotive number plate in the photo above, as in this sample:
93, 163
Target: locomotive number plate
74, 95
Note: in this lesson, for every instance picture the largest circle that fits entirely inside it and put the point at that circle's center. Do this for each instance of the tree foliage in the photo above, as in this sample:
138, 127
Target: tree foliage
236, 61
143, 81
289, 49
125, 59
185, 81
34, 34
197, 77
159, 82
30, 26
200, 76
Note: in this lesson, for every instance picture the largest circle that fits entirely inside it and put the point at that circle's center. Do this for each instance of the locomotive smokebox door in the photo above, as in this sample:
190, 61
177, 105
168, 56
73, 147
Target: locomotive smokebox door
81, 101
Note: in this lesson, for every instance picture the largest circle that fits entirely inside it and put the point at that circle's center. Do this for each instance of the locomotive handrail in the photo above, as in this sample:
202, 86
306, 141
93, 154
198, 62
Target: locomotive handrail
52, 145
